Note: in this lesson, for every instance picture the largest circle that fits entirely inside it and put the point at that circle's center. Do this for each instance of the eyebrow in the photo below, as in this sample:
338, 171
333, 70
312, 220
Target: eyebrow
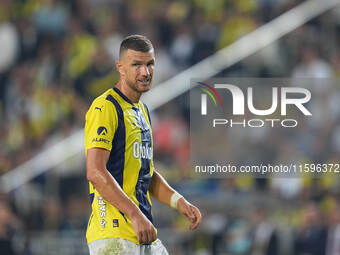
141, 62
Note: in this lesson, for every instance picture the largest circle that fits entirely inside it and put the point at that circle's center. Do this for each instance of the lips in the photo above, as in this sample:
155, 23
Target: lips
145, 81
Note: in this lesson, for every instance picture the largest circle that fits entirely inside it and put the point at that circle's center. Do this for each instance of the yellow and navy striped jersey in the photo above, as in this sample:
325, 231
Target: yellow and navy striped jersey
116, 124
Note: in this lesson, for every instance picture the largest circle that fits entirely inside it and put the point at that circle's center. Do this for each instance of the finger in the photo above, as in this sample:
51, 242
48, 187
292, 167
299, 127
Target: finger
140, 237
194, 225
188, 213
146, 237
154, 235
191, 215
197, 220
150, 238
197, 213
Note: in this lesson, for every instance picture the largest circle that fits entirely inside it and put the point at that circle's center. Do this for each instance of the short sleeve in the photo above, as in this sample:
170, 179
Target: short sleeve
100, 126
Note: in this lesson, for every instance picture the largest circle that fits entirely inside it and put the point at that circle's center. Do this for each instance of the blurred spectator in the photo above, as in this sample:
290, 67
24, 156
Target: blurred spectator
265, 239
9, 45
28, 39
76, 215
333, 237
237, 240
52, 213
171, 139
182, 47
311, 65
312, 235
8, 223
51, 17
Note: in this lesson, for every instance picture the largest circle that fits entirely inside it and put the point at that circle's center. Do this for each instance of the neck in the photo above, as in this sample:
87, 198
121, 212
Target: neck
131, 94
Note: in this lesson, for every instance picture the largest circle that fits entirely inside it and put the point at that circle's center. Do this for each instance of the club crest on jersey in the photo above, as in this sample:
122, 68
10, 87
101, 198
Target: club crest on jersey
102, 131
115, 223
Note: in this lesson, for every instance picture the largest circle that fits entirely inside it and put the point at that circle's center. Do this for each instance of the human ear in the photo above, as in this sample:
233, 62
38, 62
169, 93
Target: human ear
120, 68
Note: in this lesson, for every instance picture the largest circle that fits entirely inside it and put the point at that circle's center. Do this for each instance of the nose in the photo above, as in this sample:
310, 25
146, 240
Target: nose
144, 70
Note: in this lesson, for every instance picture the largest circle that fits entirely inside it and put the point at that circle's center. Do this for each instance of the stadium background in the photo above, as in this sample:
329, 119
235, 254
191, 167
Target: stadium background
56, 56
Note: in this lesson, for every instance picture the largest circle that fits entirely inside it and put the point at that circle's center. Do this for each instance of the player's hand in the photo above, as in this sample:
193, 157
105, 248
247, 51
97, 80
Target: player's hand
190, 211
144, 229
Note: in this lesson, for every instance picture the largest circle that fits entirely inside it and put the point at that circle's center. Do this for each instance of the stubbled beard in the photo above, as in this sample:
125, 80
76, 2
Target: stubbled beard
134, 86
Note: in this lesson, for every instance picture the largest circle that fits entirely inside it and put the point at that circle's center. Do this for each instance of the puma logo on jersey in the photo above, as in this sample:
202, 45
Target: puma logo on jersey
99, 108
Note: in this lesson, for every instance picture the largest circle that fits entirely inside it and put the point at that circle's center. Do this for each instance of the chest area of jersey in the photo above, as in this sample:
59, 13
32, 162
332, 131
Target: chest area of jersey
138, 134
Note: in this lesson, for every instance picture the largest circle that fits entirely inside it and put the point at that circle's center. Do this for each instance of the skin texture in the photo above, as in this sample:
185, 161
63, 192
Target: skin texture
136, 72
161, 190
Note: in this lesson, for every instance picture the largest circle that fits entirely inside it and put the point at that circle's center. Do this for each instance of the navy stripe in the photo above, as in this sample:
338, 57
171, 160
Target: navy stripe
91, 197
147, 110
144, 177
89, 222
115, 164
123, 216
123, 96
90, 219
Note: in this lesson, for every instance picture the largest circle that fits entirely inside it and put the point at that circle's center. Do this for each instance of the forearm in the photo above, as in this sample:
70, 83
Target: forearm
160, 189
110, 190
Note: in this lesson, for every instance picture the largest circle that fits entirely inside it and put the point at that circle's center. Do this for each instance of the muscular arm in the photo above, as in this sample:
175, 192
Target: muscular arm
110, 190
103, 181
161, 190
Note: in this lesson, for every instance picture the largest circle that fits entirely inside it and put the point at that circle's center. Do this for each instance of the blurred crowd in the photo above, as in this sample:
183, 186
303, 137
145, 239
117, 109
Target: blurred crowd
57, 55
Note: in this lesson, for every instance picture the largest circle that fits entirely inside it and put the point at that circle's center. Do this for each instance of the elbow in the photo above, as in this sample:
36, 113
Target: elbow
95, 176
92, 175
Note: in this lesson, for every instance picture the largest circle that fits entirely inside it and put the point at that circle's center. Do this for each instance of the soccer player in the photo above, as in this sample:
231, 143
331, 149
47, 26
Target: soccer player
119, 162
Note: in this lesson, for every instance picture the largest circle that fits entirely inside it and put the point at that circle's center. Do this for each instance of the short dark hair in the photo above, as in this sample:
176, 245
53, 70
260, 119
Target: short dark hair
135, 42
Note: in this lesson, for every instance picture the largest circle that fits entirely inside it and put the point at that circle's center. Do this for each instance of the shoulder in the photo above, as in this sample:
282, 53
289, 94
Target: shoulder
102, 106
102, 100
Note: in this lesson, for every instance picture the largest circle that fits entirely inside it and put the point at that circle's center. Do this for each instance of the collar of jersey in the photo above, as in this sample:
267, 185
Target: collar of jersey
124, 97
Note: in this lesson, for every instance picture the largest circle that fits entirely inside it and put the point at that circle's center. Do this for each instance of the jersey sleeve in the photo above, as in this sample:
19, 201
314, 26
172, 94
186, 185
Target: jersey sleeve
101, 124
